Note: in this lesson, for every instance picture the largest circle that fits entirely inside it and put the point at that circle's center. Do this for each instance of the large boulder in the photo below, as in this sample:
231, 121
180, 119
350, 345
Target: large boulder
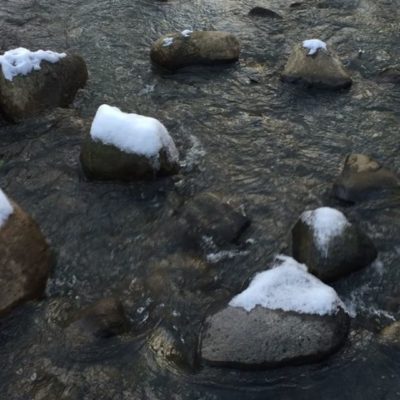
315, 66
25, 258
330, 245
54, 84
363, 178
126, 147
285, 316
176, 50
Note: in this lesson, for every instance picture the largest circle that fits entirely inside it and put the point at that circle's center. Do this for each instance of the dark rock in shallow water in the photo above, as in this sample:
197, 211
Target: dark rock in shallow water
363, 178
54, 85
391, 334
321, 70
208, 217
176, 50
389, 75
263, 12
131, 147
330, 245
104, 319
168, 348
265, 338
107, 162
25, 260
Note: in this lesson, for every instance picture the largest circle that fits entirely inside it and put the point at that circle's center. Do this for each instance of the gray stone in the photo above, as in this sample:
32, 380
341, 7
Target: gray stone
347, 252
265, 338
54, 85
201, 47
25, 260
363, 178
321, 70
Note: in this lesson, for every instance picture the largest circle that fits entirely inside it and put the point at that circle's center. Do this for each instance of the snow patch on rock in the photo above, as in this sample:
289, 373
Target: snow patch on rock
132, 133
326, 224
186, 32
313, 45
289, 287
168, 41
6, 208
22, 61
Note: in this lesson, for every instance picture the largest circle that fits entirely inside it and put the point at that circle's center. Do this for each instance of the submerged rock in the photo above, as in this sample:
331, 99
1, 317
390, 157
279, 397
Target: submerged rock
391, 334
207, 217
176, 50
330, 245
105, 318
285, 316
25, 258
321, 69
168, 348
389, 75
53, 85
263, 12
362, 178
126, 147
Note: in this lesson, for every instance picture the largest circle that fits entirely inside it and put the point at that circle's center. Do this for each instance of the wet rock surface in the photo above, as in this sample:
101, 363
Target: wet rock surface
176, 50
107, 162
54, 85
264, 338
25, 260
391, 334
362, 178
346, 251
321, 70
208, 217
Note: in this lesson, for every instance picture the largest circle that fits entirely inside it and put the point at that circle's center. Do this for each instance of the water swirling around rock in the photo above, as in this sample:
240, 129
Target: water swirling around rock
269, 148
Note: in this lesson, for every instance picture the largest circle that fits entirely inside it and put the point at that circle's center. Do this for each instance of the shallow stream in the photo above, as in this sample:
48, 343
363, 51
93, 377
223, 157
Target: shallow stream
270, 148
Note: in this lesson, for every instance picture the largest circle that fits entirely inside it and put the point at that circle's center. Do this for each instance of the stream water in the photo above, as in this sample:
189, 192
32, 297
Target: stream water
270, 148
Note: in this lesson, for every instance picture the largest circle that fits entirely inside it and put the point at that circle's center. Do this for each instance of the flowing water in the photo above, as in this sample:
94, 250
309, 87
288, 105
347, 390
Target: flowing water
270, 148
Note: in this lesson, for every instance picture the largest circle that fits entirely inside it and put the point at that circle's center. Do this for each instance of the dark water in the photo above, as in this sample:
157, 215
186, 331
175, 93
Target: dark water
270, 148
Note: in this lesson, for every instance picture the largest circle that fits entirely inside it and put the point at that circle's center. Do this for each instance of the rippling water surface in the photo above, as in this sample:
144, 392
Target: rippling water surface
271, 148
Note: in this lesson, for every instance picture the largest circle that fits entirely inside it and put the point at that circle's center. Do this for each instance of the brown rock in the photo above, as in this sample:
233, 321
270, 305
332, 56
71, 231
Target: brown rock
362, 177
175, 50
321, 70
24, 260
107, 162
264, 338
54, 85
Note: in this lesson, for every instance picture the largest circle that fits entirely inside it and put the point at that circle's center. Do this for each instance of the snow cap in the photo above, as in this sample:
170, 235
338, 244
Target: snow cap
288, 286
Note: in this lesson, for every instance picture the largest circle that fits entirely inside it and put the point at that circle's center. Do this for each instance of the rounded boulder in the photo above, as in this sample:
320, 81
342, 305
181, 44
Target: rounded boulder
177, 50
